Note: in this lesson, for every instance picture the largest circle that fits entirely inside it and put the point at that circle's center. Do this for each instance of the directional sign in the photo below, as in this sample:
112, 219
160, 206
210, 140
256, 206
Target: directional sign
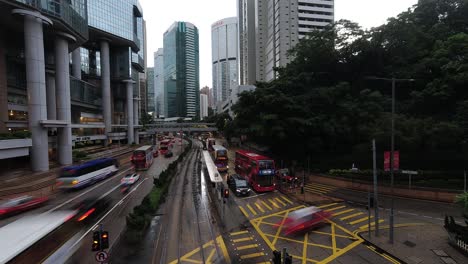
101, 256
409, 172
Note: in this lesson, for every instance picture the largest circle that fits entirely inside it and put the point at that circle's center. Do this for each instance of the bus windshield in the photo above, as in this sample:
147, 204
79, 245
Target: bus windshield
265, 165
139, 154
221, 153
264, 180
163, 147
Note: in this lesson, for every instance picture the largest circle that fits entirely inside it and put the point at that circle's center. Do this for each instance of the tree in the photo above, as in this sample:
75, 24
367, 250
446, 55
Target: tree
146, 119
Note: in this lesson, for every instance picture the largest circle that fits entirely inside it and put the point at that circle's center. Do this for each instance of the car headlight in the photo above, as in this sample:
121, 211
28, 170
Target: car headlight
74, 182
248, 190
227, 167
237, 190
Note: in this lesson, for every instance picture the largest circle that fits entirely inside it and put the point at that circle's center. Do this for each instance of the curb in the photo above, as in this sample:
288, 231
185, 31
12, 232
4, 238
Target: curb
392, 258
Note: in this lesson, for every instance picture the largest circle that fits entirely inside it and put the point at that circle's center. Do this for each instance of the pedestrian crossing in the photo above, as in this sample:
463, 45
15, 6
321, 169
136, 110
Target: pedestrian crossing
317, 188
264, 206
352, 217
246, 247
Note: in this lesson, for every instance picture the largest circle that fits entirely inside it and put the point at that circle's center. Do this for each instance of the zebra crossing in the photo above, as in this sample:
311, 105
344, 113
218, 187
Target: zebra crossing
317, 188
264, 206
352, 217
246, 247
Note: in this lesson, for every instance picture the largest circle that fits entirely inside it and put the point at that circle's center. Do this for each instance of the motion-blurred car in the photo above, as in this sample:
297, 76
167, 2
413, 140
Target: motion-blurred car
304, 219
91, 208
21, 204
238, 185
155, 153
130, 179
169, 154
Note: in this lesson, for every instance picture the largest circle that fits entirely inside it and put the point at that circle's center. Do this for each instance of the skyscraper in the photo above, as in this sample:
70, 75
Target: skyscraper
159, 83
224, 54
151, 93
181, 71
203, 106
208, 91
246, 15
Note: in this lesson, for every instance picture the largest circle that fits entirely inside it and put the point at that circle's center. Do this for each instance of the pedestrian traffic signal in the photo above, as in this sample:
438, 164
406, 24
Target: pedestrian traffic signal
104, 240
276, 257
226, 193
96, 241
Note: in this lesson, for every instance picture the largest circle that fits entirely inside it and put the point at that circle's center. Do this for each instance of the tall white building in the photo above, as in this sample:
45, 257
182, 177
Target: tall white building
224, 54
203, 106
159, 82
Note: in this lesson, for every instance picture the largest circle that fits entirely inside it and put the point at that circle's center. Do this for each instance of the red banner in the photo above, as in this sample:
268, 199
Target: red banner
396, 160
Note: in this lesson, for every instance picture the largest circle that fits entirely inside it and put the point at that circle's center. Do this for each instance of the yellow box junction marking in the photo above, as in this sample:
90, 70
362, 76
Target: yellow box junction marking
326, 205
304, 248
351, 216
335, 208
343, 212
266, 205
259, 208
287, 200
219, 242
279, 201
243, 211
359, 220
251, 209
273, 203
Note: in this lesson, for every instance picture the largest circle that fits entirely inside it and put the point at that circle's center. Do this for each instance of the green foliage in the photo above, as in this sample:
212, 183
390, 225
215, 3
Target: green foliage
146, 119
323, 104
15, 135
463, 200
79, 155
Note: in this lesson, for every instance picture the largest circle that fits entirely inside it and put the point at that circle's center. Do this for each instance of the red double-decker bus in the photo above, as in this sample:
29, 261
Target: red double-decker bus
164, 146
142, 157
258, 170
220, 158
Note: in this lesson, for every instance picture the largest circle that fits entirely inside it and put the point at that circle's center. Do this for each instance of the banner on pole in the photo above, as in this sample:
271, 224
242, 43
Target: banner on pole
396, 160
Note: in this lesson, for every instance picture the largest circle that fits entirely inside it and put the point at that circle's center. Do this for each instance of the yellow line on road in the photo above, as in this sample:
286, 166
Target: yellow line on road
238, 233
287, 200
351, 216
253, 255
335, 208
372, 224
301, 241
251, 209
259, 208
279, 229
221, 244
326, 205
304, 249
242, 239
279, 201
243, 211
329, 234
314, 191
341, 252
273, 203
266, 205
208, 259
308, 259
333, 238
359, 220
322, 188
343, 212
266, 262
189, 260
247, 247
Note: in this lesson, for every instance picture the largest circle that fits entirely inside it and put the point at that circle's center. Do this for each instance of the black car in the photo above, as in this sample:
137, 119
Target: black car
168, 154
238, 185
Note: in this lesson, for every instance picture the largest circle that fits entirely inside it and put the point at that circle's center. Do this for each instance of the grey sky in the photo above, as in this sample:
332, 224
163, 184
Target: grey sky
160, 14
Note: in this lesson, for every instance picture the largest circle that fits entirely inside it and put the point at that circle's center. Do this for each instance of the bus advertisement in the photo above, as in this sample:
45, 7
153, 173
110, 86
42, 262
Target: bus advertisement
164, 146
142, 157
220, 158
210, 143
258, 170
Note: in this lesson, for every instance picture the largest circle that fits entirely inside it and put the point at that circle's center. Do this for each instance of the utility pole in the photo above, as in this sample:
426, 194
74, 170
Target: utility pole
392, 160
376, 203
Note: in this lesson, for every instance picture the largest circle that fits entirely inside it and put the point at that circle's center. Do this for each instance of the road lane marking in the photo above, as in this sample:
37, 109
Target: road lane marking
287, 200
280, 227
326, 205
313, 191
301, 241
360, 220
273, 203
351, 216
372, 224
266, 205
222, 245
238, 233
333, 238
87, 191
322, 188
260, 208
242, 239
253, 255
247, 247
343, 212
208, 259
243, 211
335, 208
304, 248
281, 202
251, 209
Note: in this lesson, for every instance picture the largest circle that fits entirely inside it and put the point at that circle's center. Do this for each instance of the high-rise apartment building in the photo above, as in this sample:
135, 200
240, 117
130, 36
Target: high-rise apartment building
224, 54
181, 71
278, 26
159, 90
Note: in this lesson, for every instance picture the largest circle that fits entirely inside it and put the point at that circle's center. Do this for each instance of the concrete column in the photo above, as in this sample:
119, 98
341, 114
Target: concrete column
76, 63
136, 112
62, 84
129, 106
35, 77
51, 97
105, 84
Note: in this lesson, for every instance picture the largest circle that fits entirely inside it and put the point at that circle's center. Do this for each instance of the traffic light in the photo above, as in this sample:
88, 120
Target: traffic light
287, 259
96, 241
276, 257
226, 193
104, 240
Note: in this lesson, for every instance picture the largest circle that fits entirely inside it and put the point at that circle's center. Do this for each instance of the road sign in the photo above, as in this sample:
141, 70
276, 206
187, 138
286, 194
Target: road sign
101, 256
409, 172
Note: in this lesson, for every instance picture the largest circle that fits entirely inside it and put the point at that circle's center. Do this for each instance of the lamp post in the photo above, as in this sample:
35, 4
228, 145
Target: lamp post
392, 150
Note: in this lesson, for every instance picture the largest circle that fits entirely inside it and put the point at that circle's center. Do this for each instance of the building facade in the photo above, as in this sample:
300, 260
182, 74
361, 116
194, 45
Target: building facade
159, 82
246, 17
181, 71
209, 92
151, 92
68, 71
224, 55
203, 106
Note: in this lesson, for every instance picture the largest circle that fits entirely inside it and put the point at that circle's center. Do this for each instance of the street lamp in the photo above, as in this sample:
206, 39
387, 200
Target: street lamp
393, 80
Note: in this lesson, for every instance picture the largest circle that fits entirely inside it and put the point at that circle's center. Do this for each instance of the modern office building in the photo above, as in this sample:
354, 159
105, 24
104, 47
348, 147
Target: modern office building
181, 71
224, 56
68, 73
278, 26
159, 90
209, 92
226, 106
203, 106
151, 92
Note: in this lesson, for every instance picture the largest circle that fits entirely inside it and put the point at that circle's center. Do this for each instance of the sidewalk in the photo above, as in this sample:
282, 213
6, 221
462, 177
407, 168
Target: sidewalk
426, 243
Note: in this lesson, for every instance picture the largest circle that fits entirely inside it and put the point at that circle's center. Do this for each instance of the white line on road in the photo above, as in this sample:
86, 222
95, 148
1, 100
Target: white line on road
87, 191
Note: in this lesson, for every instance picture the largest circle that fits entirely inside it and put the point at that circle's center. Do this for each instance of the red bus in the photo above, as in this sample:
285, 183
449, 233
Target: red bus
164, 146
210, 143
142, 157
220, 158
258, 170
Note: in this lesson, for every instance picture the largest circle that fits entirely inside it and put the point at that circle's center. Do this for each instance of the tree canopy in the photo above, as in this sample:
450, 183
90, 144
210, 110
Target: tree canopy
324, 104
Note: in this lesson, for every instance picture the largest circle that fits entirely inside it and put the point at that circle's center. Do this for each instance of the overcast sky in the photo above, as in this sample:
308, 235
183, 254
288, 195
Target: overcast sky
160, 14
